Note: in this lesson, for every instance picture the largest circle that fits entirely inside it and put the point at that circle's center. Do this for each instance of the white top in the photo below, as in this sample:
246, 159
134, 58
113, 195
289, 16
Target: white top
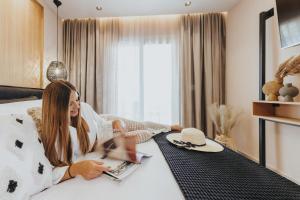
98, 127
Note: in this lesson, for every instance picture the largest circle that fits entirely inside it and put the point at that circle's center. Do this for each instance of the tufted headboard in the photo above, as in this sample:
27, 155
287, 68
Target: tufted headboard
10, 94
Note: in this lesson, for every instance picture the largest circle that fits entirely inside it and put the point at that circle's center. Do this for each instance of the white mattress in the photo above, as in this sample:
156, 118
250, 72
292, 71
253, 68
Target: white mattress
152, 180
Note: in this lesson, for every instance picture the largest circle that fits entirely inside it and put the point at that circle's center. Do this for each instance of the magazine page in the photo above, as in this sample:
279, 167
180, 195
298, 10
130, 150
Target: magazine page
114, 154
121, 169
118, 148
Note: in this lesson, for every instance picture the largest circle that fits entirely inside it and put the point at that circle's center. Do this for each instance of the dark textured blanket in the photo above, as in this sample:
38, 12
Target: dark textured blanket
224, 175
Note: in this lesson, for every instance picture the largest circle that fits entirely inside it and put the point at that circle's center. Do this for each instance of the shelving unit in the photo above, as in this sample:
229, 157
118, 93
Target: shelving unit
282, 112
276, 111
263, 17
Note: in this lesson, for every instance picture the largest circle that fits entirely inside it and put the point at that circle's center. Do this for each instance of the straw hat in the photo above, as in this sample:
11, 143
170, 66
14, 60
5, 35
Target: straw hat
194, 139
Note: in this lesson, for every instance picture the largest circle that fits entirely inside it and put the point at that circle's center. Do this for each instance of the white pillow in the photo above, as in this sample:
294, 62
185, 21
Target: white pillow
24, 168
18, 107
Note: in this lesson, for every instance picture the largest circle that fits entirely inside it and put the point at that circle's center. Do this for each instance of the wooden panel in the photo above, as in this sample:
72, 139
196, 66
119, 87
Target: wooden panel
21, 42
281, 112
279, 103
263, 109
284, 120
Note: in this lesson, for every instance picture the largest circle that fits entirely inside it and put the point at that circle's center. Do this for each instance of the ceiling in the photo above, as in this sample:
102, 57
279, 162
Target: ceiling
113, 8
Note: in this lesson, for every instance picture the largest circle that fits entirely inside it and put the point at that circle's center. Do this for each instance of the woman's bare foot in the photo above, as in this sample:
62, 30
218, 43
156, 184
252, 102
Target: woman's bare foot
176, 127
118, 126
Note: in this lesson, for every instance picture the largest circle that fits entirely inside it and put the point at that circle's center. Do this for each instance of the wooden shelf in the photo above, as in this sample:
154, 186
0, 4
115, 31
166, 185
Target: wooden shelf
276, 111
279, 102
284, 120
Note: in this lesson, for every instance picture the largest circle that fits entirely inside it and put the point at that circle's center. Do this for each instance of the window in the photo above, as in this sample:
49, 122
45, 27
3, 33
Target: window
147, 83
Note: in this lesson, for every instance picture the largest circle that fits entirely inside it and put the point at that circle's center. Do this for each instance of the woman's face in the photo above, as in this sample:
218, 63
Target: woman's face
74, 104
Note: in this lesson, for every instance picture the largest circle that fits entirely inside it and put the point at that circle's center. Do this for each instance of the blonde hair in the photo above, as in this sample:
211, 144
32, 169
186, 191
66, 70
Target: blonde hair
55, 124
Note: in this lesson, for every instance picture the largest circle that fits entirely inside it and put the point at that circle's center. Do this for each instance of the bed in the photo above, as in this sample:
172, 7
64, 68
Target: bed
171, 173
152, 180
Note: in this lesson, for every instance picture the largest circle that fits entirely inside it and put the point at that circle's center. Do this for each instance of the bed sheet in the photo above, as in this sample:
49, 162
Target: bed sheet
152, 180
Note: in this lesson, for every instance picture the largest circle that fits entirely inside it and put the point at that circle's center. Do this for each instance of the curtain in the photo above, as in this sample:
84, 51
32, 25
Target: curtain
202, 68
79, 55
107, 74
148, 68
106, 57
112, 84
89, 49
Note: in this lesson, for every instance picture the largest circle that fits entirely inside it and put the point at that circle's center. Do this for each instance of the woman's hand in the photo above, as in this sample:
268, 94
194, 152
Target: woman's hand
130, 146
88, 169
117, 126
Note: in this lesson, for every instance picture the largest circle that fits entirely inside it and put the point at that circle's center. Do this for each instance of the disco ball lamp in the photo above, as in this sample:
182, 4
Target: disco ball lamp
56, 71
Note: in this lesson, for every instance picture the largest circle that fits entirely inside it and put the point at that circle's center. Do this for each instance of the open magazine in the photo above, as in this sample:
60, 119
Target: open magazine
122, 168
115, 154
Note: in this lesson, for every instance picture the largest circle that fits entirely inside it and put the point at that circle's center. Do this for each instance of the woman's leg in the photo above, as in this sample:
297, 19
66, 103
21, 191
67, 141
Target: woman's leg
130, 125
141, 135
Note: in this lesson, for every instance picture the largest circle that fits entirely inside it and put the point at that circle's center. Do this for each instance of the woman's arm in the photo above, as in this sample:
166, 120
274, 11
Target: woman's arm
88, 169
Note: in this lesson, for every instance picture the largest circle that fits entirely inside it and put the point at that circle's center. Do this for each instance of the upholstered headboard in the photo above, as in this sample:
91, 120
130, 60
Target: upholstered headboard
13, 94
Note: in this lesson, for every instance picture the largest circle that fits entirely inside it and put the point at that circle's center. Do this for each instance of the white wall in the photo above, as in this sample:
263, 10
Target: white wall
242, 76
50, 37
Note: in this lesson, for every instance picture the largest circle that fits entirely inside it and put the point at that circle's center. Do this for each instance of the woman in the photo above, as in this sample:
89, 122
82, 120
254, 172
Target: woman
71, 129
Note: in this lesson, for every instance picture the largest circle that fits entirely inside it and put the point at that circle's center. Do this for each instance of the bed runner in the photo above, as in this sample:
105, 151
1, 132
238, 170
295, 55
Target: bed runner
224, 175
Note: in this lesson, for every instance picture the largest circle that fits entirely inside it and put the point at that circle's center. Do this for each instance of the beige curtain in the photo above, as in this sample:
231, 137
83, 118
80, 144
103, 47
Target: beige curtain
88, 53
202, 68
139, 103
90, 50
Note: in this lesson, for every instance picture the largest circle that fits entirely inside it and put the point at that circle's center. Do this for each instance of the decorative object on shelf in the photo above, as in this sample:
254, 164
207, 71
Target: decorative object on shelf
271, 90
224, 118
57, 69
288, 92
289, 67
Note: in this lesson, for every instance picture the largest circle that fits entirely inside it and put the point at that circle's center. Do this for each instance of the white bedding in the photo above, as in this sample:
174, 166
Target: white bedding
19, 107
152, 180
